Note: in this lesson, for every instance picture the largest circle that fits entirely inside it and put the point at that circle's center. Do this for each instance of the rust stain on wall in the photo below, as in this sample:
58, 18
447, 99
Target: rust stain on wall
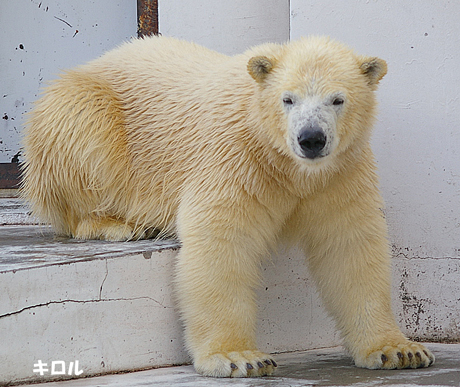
428, 296
147, 17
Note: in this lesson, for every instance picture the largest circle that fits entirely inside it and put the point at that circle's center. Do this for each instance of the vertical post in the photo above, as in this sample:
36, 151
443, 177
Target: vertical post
147, 17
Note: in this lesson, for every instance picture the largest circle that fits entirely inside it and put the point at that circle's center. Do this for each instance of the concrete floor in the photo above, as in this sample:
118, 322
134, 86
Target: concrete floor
324, 367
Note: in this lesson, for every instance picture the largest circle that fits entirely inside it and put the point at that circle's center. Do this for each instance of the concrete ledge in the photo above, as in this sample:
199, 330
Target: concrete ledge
28, 247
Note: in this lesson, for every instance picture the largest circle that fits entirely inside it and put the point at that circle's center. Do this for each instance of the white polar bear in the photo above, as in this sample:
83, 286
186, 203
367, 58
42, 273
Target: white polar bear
229, 154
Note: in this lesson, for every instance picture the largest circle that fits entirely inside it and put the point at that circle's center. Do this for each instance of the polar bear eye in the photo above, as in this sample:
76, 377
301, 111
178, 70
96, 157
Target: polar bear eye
288, 101
338, 101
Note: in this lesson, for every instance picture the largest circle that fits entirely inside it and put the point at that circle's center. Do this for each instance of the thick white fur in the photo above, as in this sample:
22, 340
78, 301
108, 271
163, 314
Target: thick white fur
161, 134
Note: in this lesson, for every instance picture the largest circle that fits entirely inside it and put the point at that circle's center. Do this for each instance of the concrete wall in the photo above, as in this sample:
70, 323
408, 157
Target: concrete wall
226, 26
39, 38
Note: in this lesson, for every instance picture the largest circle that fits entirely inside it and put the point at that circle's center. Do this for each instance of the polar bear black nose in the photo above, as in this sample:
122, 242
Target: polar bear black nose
312, 142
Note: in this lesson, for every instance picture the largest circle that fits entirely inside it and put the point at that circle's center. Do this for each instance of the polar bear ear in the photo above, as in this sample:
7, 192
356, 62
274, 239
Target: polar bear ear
373, 68
259, 67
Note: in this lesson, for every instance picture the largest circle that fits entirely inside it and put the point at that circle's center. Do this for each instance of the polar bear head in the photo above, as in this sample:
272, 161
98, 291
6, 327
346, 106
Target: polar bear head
318, 94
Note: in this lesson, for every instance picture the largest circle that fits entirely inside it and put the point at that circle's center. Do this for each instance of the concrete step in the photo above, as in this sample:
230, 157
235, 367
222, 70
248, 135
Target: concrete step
107, 305
324, 367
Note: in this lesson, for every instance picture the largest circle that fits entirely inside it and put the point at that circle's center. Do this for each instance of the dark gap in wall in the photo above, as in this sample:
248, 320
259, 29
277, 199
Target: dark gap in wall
9, 175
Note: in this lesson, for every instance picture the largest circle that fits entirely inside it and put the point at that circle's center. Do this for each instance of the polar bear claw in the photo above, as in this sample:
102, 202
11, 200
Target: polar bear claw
410, 355
236, 364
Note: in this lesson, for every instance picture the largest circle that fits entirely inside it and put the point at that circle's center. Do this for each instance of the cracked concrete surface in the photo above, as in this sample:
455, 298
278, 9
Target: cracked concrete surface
28, 308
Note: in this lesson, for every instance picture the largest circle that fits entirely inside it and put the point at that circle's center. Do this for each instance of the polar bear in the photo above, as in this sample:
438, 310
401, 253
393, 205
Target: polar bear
231, 155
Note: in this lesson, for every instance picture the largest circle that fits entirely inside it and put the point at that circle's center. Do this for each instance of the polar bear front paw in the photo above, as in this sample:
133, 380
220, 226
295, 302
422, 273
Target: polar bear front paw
407, 355
236, 364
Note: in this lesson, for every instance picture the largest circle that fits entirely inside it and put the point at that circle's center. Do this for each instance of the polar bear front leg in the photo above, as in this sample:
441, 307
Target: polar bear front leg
348, 254
217, 273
